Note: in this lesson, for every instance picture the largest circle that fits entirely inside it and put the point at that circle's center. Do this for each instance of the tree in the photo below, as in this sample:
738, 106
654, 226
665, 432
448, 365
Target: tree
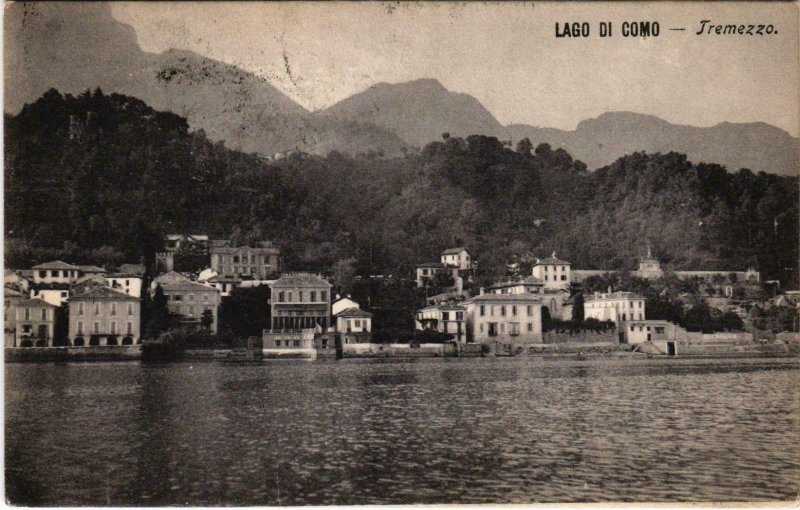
159, 320
207, 319
524, 147
547, 322
578, 312
246, 311
344, 272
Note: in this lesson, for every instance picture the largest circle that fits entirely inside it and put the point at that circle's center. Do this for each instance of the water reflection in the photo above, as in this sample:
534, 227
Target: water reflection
428, 431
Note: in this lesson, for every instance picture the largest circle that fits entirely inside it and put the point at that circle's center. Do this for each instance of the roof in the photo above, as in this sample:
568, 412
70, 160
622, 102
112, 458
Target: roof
224, 279
187, 285
35, 303
454, 251
12, 292
132, 269
172, 276
613, 296
353, 312
552, 260
531, 280
431, 264
124, 275
90, 278
300, 280
92, 269
517, 298
56, 264
443, 306
103, 293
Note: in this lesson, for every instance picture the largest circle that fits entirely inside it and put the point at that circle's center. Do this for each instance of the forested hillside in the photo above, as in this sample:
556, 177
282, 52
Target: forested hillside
99, 179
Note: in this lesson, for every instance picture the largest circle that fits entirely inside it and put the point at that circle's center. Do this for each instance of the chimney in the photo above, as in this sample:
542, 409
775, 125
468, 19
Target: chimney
480, 292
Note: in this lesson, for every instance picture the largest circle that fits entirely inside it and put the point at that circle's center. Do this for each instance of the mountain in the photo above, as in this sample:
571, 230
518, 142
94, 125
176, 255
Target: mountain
77, 46
600, 141
418, 111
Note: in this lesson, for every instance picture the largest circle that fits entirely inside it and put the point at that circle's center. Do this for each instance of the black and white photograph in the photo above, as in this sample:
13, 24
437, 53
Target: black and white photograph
265, 254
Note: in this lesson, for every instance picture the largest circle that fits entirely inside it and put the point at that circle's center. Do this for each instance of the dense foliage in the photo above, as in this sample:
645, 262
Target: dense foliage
99, 179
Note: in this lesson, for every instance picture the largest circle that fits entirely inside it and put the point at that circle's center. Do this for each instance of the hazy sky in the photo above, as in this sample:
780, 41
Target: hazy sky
506, 55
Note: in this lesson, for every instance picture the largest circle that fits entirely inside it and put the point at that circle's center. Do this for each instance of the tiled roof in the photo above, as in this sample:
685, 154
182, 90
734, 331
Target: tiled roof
300, 280
431, 264
353, 312
172, 276
454, 251
552, 260
12, 292
531, 280
35, 303
92, 269
519, 298
56, 264
123, 275
103, 293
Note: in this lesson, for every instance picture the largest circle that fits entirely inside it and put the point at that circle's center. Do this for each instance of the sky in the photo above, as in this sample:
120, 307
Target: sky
506, 55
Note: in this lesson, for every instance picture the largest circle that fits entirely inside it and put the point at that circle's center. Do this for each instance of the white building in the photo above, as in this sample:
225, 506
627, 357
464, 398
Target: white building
130, 284
343, 303
444, 318
55, 297
354, 325
617, 307
530, 285
56, 271
554, 272
506, 318
458, 258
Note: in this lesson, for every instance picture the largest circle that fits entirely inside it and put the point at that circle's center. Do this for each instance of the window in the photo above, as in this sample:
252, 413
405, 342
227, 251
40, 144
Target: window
322, 295
631, 303
42, 274
640, 316
27, 314
296, 343
44, 314
513, 329
277, 343
281, 297
236, 259
130, 328
547, 268
659, 329
459, 316
177, 297
483, 312
130, 308
80, 328
530, 326
530, 311
80, 308
445, 316
113, 328
514, 311
357, 323
481, 327
205, 297
503, 311
563, 277
545, 277
313, 296
300, 294
113, 309
64, 294
289, 296
502, 327
97, 327
97, 308
191, 298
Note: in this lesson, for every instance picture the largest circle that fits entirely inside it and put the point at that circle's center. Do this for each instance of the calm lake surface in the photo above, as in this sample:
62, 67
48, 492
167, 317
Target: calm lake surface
424, 431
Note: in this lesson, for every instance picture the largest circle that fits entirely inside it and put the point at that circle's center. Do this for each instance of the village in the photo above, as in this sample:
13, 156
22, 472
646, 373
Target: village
79, 311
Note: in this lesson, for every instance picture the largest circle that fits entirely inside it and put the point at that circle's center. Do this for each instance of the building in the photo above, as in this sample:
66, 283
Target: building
87, 270
505, 318
554, 272
529, 285
206, 274
617, 307
343, 303
56, 271
104, 316
137, 269
427, 271
256, 262
16, 280
176, 242
448, 318
56, 296
640, 331
191, 300
35, 326
225, 284
130, 284
169, 278
650, 269
300, 301
458, 258
354, 325
86, 283
11, 299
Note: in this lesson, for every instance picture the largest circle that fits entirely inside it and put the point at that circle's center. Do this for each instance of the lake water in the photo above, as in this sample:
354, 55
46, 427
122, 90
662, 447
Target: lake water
426, 431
